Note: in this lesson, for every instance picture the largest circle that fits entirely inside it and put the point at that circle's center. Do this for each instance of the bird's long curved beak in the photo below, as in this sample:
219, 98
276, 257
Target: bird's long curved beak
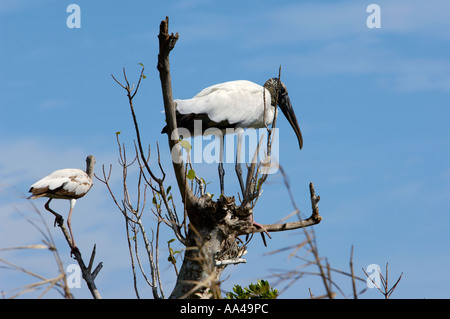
288, 111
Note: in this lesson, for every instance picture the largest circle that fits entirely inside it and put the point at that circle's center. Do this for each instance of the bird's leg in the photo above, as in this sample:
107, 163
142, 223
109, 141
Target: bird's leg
238, 169
238, 166
221, 170
69, 224
58, 218
221, 174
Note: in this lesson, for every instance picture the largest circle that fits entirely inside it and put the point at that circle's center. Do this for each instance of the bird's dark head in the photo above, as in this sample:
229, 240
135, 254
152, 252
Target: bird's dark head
90, 159
272, 86
282, 99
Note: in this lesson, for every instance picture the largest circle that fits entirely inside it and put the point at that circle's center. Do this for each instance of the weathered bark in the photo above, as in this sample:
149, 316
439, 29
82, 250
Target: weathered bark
213, 239
87, 273
166, 44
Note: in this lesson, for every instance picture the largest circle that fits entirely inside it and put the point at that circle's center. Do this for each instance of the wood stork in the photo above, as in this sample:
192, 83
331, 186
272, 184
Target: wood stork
70, 184
235, 104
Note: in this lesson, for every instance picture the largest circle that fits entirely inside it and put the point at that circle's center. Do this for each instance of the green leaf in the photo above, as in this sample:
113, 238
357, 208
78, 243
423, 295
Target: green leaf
171, 240
260, 290
168, 189
186, 145
141, 64
154, 200
191, 174
118, 132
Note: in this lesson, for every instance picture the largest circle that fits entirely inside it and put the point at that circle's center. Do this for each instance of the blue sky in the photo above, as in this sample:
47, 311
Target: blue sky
372, 105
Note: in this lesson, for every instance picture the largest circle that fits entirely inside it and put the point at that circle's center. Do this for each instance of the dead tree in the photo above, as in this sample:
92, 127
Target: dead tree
214, 226
210, 230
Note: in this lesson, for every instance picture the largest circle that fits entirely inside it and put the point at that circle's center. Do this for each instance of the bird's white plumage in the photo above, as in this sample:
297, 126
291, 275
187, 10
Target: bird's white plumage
68, 183
72, 182
234, 104
239, 102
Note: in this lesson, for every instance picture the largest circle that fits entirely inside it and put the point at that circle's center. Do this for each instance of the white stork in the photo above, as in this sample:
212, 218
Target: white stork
70, 184
235, 104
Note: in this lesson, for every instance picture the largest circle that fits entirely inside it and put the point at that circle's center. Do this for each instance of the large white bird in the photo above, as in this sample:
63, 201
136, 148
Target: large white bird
70, 184
235, 104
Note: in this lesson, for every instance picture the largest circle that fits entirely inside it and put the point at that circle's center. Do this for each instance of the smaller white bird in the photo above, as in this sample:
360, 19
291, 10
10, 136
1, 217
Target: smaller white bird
70, 184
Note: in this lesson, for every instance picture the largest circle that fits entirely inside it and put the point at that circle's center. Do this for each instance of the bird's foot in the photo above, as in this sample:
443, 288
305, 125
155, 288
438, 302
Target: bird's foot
58, 220
74, 251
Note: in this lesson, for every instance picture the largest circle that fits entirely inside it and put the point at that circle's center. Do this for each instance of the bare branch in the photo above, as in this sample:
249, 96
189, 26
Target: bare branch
313, 220
131, 95
384, 283
166, 44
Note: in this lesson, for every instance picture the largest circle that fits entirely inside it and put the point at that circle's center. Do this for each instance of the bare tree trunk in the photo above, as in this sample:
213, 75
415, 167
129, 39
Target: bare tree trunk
212, 240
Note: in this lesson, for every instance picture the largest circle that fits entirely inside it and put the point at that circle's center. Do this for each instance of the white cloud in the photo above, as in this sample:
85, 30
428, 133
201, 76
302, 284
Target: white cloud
190, 4
31, 158
327, 39
330, 21
417, 18
52, 103
332, 38
11, 6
